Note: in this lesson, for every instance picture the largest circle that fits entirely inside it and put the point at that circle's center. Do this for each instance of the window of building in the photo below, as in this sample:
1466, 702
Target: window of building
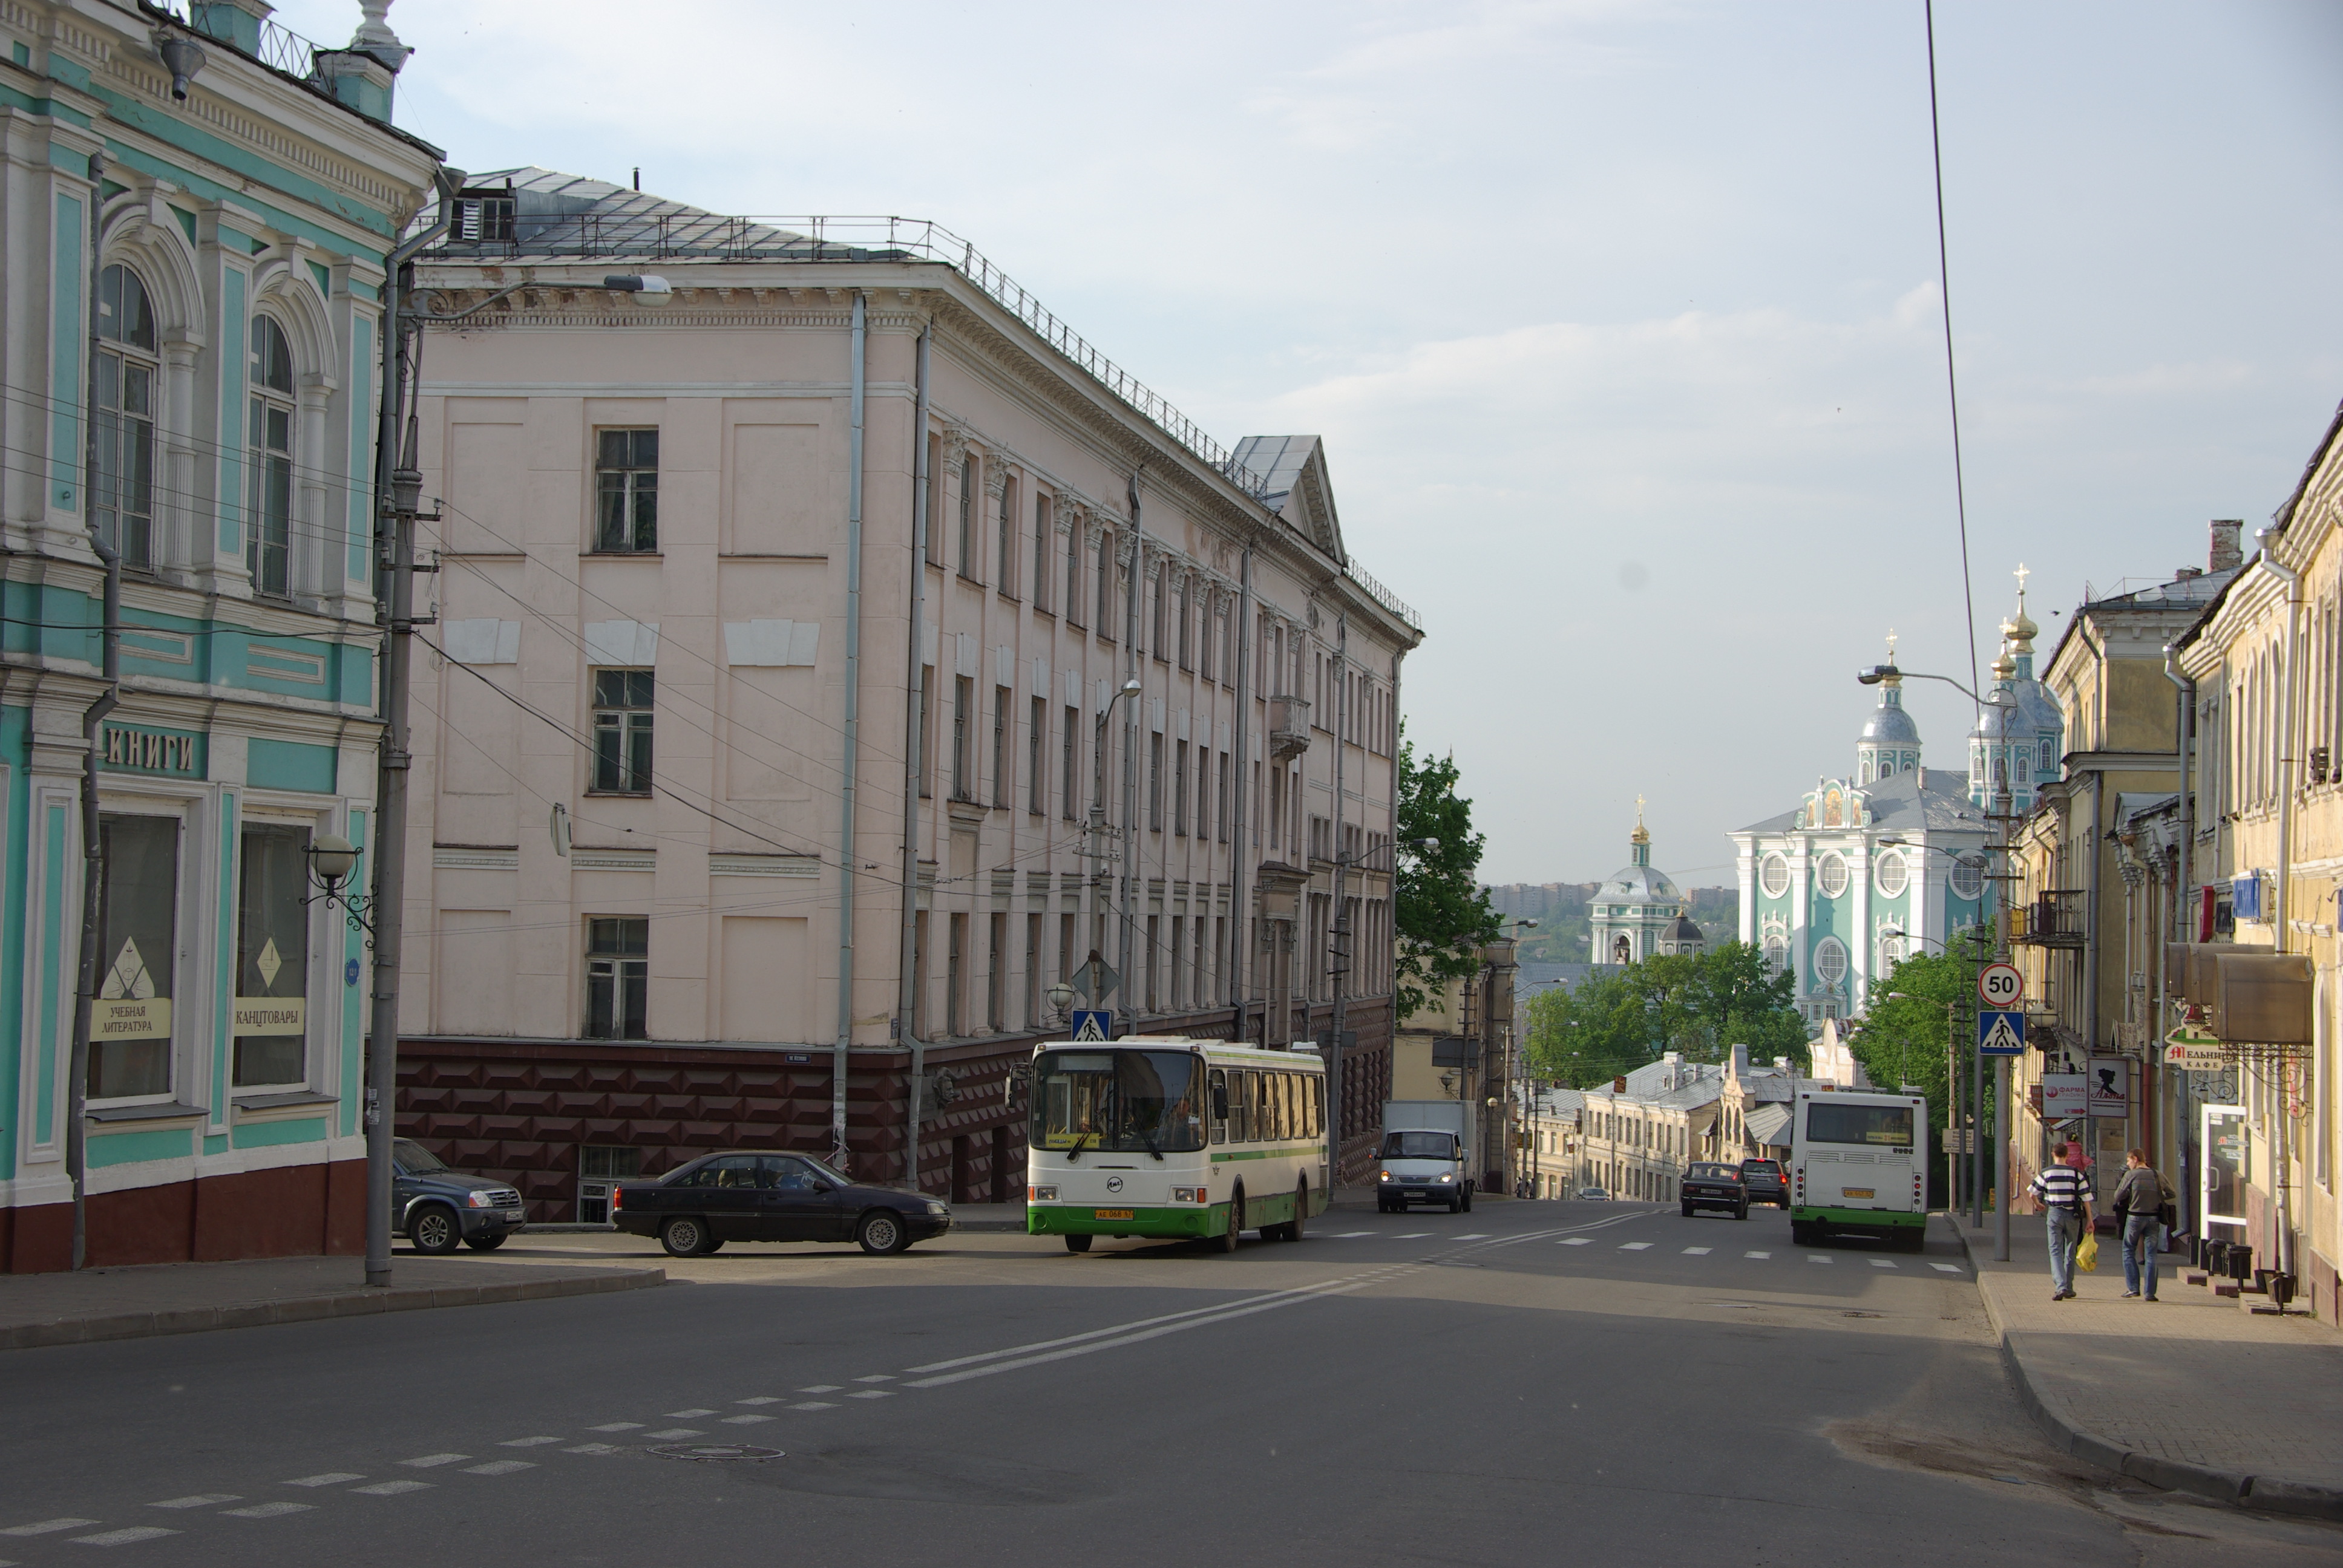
1003, 782
955, 971
268, 549
1830, 962
618, 977
1207, 616
122, 483
138, 902
601, 1168
1007, 523
626, 492
967, 522
996, 975
1968, 877
1074, 574
1773, 876
1179, 787
1220, 799
1894, 874
2049, 757
1106, 584
1155, 780
272, 957
1180, 609
1037, 783
1777, 955
963, 699
1043, 537
1034, 961
622, 731
1071, 786
1830, 874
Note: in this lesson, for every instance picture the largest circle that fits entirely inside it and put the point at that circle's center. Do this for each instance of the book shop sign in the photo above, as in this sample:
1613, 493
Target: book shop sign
137, 749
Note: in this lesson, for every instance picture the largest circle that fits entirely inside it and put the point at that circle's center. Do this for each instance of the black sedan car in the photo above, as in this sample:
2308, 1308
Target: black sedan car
752, 1195
1765, 1183
1715, 1186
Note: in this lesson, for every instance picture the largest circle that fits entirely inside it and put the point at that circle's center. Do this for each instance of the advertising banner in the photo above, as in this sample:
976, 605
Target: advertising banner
2111, 1087
2065, 1095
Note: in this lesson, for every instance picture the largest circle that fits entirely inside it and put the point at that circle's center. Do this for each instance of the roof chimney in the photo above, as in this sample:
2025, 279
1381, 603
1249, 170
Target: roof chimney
1740, 1061
2228, 555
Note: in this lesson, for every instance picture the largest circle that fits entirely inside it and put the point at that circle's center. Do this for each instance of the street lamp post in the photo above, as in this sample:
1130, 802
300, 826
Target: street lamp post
1519, 1049
1999, 816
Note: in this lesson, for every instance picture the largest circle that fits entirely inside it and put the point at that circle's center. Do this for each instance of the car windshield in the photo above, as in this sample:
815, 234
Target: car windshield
1120, 1101
1714, 1172
415, 1157
1761, 1168
1419, 1146
1889, 1125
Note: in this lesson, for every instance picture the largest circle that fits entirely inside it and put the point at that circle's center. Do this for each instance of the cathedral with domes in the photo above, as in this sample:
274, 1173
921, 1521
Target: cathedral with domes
1890, 858
1637, 913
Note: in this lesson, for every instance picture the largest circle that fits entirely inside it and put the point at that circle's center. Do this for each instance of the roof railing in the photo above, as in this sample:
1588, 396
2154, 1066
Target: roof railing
276, 45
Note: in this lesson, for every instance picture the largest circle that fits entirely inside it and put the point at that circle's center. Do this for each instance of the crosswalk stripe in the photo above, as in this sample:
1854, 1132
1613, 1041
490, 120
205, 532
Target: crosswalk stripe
1473, 1236
1696, 1251
1346, 1235
1633, 1246
1881, 1263
1757, 1254
1945, 1268
1572, 1242
1816, 1258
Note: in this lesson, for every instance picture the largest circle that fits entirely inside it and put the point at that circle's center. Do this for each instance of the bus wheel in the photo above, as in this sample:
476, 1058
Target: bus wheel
1293, 1232
1805, 1235
1078, 1243
1228, 1239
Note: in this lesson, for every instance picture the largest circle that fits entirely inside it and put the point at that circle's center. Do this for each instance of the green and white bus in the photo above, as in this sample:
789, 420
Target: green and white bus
1160, 1135
1859, 1165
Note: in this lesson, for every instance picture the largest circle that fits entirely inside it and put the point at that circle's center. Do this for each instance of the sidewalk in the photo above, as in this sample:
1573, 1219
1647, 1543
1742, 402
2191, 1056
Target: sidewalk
188, 1297
2191, 1394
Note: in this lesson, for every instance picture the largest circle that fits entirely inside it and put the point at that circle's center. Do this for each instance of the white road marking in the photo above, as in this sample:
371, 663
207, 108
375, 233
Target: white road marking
1101, 1334
48, 1527
827, 1387
872, 1393
1575, 1241
331, 1478
676, 1432
761, 1399
687, 1414
498, 1467
1945, 1268
125, 1537
1413, 1236
267, 1510
1696, 1251
1349, 1235
391, 1488
430, 1460
1473, 1236
1816, 1258
1633, 1246
200, 1500
593, 1448
877, 1377
814, 1404
1881, 1263
1240, 1309
744, 1420
1757, 1254
617, 1426
526, 1441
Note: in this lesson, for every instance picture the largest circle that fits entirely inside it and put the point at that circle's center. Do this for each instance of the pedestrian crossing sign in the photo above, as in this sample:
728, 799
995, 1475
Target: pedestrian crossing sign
1093, 1023
2001, 1033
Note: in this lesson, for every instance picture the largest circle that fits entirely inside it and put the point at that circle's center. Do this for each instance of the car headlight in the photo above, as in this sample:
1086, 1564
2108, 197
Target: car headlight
1386, 1176
478, 1201
939, 1209
1448, 1176
1042, 1195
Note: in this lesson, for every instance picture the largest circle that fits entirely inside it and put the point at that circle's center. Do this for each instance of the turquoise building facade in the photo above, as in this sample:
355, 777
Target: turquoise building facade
198, 208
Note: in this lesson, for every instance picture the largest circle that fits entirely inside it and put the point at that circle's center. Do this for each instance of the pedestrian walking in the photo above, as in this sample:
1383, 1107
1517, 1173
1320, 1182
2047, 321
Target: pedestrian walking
2065, 1196
2140, 1197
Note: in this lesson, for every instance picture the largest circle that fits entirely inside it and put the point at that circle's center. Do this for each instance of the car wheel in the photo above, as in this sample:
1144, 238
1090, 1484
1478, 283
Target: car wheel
686, 1236
1743, 1211
1228, 1237
1294, 1231
1468, 1197
484, 1243
1078, 1243
882, 1233
1687, 1211
436, 1230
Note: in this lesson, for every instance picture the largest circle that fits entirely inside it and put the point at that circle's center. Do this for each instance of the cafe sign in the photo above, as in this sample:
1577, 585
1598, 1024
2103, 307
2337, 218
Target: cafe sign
2192, 1051
139, 749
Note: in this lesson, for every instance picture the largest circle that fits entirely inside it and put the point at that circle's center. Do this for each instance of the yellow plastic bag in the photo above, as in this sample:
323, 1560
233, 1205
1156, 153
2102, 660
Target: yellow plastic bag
2087, 1256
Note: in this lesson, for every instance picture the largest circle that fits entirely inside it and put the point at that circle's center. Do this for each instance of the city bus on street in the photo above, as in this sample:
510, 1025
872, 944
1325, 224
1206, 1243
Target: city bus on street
1858, 1167
1183, 1139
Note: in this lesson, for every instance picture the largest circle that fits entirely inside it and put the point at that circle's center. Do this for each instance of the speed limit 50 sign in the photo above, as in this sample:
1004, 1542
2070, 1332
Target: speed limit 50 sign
2000, 985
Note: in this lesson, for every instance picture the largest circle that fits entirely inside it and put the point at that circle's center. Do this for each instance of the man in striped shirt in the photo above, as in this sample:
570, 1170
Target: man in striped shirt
2065, 1193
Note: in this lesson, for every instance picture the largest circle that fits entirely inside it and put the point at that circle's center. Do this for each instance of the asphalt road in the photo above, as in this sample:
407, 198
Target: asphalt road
1532, 1383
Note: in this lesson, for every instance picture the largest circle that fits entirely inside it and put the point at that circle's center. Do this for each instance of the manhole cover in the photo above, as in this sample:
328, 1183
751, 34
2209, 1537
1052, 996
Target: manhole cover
713, 1451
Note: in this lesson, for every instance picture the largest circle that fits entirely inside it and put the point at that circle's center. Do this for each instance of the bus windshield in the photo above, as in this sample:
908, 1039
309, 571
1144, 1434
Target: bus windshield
1419, 1146
1119, 1102
1874, 1125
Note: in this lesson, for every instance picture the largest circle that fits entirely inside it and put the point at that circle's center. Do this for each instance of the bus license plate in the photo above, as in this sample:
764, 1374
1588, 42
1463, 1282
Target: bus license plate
1118, 1213
1854, 1192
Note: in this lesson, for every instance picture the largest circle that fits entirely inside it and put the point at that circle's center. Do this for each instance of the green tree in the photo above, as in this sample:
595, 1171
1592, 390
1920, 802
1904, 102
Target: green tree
1748, 1003
1907, 1028
1700, 1004
1590, 1032
1441, 914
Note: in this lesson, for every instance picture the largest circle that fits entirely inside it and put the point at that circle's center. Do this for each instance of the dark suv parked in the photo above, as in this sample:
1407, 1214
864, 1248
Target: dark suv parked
1765, 1183
438, 1207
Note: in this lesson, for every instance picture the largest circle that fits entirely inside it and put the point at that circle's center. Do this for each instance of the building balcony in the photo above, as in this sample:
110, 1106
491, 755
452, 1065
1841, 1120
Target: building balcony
2055, 918
1289, 727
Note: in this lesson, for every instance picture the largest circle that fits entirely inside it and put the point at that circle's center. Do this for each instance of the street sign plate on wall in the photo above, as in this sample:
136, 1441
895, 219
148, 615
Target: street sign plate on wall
2000, 985
1093, 1023
2001, 1033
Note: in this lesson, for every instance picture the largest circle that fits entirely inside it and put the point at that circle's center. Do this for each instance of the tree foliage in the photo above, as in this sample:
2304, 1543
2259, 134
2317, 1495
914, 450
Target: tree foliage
1440, 915
1905, 1027
1702, 1004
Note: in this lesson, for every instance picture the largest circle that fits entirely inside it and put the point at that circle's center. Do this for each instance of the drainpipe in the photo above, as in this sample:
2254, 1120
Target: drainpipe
2281, 1182
1341, 965
93, 851
1127, 942
852, 726
2184, 897
907, 987
1240, 899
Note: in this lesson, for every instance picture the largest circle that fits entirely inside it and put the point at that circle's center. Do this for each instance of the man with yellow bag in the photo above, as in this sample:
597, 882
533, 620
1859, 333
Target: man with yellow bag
2065, 1193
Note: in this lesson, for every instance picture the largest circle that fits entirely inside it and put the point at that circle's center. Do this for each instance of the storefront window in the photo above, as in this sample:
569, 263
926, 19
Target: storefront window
272, 958
130, 1025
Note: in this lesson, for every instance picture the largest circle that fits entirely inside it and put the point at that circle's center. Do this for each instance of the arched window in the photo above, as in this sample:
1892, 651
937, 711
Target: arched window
1830, 962
2049, 757
122, 477
1777, 955
968, 518
1968, 877
268, 549
1830, 876
1893, 875
1773, 876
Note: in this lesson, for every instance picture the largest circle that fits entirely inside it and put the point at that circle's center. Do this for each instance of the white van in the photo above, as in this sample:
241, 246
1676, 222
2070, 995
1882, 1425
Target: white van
1426, 1156
1858, 1165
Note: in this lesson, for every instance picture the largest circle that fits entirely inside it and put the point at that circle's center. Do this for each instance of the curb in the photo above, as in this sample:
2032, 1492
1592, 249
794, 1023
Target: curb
2271, 1496
309, 1309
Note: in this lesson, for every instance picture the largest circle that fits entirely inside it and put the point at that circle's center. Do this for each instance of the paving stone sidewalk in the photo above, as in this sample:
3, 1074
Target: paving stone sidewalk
2190, 1393
188, 1297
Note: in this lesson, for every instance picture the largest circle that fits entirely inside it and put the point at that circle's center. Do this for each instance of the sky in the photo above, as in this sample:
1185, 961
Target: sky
1622, 322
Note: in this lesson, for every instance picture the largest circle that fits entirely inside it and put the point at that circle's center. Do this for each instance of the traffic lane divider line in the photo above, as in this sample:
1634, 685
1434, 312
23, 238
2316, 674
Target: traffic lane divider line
1095, 1334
